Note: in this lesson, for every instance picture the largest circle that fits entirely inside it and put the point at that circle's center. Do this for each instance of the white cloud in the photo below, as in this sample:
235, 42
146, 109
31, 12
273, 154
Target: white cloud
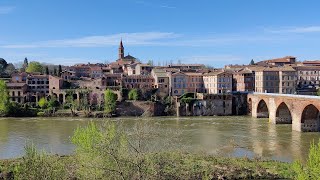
153, 39
6, 9
153, 4
214, 60
307, 29
146, 38
167, 7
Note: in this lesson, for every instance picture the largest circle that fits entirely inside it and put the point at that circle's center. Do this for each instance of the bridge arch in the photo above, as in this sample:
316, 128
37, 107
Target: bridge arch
310, 119
283, 114
262, 109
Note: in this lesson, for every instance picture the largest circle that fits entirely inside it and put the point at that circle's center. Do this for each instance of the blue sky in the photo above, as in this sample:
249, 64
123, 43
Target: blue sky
213, 32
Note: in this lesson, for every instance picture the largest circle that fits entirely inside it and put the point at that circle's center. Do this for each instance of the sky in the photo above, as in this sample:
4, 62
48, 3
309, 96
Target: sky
211, 32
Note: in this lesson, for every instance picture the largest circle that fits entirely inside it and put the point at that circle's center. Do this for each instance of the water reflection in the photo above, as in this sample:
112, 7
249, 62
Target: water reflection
227, 136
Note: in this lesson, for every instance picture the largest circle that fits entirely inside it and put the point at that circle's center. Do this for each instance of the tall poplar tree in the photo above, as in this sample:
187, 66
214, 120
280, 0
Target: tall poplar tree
4, 100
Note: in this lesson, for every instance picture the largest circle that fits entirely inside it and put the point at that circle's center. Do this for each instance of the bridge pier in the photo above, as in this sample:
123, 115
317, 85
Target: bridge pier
272, 111
296, 122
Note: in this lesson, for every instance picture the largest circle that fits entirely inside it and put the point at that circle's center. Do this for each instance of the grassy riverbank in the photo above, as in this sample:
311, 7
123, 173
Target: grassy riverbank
167, 165
108, 152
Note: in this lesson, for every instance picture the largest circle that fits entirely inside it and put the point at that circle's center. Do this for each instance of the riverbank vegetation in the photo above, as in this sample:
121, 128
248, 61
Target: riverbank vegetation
108, 152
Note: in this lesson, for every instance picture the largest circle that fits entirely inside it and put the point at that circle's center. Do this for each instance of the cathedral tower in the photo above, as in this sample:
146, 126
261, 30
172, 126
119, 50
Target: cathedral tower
121, 50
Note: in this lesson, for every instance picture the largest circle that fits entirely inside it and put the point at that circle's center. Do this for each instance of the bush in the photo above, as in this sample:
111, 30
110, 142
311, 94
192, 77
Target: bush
100, 152
66, 106
41, 114
312, 169
39, 165
188, 100
18, 110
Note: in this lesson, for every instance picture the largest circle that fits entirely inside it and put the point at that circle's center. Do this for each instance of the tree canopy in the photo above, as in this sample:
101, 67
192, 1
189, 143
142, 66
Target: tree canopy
150, 62
252, 62
110, 99
43, 103
133, 94
4, 100
3, 63
34, 67
59, 70
47, 70
10, 69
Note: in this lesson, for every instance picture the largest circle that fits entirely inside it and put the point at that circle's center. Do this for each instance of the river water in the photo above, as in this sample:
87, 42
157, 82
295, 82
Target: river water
235, 136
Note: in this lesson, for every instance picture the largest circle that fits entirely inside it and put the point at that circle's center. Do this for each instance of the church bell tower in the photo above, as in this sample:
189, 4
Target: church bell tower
121, 50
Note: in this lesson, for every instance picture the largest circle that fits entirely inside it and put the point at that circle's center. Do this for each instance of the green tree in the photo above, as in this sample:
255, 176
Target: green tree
55, 72
43, 103
318, 92
47, 70
133, 94
3, 63
110, 99
59, 70
252, 62
53, 103
150, 62
4, 100
34, 67
25, 62
10, 69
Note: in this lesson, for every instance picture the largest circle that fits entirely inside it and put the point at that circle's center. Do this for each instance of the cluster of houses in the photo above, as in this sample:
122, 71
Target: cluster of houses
283, 75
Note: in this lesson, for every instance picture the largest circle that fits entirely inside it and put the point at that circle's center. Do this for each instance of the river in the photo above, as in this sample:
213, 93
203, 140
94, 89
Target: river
235, 136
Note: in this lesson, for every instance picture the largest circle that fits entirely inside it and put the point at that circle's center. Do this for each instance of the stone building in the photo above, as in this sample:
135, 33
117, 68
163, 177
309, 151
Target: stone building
38, 86
18, 92
19, 77
143, 69
209, 105
217, 82
267, 80
68, 75
187, 66
178, 83
194, 82
308, 76
55, 83
287, 60
311, 63
138, 82
275, 80
131, 69
112, 80
243, 80
161, 81
96, 71
288, 80
81, 70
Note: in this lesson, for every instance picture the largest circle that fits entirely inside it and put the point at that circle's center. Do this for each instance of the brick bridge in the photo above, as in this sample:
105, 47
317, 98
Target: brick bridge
300, 111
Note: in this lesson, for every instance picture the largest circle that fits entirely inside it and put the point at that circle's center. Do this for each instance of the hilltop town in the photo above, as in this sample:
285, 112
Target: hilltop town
88, 82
